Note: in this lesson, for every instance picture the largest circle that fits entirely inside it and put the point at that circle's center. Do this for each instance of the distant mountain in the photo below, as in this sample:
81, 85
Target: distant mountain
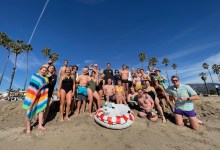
199, 87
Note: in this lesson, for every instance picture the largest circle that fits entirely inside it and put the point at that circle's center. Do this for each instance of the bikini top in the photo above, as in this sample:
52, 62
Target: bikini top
119, 89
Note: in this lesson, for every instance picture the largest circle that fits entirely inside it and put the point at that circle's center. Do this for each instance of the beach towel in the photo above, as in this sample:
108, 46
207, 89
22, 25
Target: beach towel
37, 96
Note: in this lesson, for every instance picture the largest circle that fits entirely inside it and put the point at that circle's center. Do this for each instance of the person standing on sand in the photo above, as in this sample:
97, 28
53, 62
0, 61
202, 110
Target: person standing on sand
91, 90
183, 95
108, 73
82, 95
36, 98
124, 75
52, 82
66, 89
62, 69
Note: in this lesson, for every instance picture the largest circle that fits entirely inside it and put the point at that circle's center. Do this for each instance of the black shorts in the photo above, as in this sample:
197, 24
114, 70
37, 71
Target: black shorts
124, 81
81, 97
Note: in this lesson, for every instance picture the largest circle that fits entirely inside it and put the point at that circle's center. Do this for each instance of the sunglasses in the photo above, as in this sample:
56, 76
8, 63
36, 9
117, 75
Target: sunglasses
175, 80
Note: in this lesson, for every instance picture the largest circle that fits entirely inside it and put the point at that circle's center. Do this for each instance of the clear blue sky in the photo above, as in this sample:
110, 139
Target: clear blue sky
100, 31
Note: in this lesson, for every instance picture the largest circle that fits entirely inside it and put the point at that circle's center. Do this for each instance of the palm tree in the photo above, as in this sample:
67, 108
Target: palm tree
206, 66
175, 68
46, 52
6, 42
166, 62
17, 49
28, 48
153, 61
142, 56
54, 56
203, 77
216, 69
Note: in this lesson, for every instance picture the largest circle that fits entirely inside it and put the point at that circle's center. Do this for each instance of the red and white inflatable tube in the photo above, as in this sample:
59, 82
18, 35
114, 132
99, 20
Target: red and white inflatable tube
114, 116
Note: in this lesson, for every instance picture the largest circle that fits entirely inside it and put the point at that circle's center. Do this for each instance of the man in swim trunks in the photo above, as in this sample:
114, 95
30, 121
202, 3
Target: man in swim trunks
109, 91
147, 104
62, 69
124, 75
183, 95
108, 73
82, 80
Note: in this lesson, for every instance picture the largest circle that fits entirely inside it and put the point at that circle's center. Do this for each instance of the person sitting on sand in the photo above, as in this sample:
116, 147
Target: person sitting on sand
120, 93
183, 95
66, 89
109, 91
36, 98
82, 81
152, 92
147, 104
131, 99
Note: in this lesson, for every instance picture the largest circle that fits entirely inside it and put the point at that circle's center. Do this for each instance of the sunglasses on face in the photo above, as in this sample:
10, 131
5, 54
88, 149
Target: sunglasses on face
175, 80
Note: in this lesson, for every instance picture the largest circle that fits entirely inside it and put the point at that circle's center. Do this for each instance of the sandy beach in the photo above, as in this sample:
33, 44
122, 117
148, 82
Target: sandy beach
83, 133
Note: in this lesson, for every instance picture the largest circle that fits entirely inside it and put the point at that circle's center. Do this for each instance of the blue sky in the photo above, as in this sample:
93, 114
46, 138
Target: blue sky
100, 31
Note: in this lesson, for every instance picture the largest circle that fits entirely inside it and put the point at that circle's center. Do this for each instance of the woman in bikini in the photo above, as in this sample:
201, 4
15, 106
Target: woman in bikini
152, 92
66, 89
120, 93
92, 92
131, 99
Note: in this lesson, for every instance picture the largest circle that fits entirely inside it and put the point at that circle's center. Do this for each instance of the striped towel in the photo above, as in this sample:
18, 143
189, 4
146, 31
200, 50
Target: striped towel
37, 96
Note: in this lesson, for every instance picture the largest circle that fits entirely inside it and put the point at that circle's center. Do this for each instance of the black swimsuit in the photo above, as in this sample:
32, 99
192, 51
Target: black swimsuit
67, 84
152, 95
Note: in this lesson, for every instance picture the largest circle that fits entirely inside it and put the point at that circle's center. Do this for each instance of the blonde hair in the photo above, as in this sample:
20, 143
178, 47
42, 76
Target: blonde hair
71, 74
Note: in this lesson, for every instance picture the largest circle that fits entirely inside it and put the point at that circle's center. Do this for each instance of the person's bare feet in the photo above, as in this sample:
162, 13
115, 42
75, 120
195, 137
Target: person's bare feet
28, 132
42, 128
61, 119
67, 118
77, 113
200, 122
164, 120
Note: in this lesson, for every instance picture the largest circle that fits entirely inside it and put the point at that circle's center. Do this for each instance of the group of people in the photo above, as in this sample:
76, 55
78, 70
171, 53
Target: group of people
140, 90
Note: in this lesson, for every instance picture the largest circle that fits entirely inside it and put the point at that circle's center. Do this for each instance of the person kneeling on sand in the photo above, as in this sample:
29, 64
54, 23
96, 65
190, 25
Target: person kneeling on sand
147, 104
183, 95
82, 95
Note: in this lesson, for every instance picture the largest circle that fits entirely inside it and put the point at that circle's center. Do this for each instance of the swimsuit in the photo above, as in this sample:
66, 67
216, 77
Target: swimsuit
124, 81
118, 89
82, 90
99, 86
67, 84
152, 95
92, 85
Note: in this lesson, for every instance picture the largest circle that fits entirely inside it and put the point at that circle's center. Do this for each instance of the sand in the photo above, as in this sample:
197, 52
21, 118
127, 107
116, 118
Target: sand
83, 133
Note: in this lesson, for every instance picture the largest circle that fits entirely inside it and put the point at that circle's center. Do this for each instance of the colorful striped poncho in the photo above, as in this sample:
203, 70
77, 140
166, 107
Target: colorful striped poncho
37, 96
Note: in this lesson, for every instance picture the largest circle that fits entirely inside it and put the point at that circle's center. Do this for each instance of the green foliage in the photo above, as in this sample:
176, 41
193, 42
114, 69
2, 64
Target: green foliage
165, 61
153, 61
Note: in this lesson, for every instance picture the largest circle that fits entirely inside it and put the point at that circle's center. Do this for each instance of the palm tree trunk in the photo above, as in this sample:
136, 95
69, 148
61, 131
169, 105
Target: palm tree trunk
3, 72
26, 73
167, 77
142, 65
210, 76
176, 72
206, 88
12, 76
